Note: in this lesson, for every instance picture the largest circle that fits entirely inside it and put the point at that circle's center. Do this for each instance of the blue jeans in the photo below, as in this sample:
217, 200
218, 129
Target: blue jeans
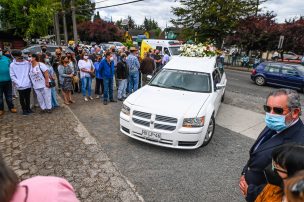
54, 98
122, 87
133, 81
108, 89
86, 84
7, 90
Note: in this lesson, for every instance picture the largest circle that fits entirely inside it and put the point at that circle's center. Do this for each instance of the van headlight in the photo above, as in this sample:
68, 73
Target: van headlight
194, 122
125, 109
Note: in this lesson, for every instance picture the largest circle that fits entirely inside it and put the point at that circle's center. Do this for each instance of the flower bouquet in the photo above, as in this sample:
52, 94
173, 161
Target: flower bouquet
199, 50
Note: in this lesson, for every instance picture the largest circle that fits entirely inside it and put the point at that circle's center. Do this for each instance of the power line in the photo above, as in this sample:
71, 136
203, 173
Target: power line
119, 4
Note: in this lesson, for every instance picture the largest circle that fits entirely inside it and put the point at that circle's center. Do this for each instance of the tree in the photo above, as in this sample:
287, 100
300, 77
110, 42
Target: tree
218, 18
256, 33
149, 24
99, 31
131, 23
96, 16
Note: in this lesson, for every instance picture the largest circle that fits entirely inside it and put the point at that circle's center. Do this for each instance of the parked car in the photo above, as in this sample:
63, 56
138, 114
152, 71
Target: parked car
105, 46
279, 74
117, 44
286, 56
49, 48
177, 109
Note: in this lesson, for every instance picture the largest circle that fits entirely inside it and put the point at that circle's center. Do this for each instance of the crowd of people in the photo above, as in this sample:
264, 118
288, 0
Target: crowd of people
39, 76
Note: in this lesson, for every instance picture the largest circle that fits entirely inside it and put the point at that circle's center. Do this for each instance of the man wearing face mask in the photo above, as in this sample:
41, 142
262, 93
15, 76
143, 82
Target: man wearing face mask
5, 84
283, 125
55, 61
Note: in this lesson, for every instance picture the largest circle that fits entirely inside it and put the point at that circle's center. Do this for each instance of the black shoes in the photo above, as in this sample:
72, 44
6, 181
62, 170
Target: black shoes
113, 100
105, 102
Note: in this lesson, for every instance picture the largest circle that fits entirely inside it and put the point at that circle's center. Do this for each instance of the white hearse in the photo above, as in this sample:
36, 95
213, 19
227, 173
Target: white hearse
177, 108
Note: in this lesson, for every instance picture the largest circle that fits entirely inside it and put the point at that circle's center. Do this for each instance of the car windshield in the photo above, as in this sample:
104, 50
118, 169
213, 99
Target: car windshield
118, 44
182, 80
175, 50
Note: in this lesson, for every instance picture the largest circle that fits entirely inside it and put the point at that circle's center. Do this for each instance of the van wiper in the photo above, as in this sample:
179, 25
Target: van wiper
156, 85
180, 88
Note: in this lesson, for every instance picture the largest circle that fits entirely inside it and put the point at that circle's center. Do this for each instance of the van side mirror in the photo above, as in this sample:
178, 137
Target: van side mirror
220, 86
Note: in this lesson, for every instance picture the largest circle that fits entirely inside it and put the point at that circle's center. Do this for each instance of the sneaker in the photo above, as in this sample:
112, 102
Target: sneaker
97, 97
1, 112
30, 111
121, 99
86, 99
91, 98
13, 110
49, 111
112, 100
25, 113
105, 102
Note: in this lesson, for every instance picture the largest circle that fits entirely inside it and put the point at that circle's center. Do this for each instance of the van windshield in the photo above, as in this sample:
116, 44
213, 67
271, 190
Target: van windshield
174, 50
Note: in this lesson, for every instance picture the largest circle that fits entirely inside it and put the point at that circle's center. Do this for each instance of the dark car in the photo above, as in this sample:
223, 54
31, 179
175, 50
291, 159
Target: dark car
279, 74
49, 48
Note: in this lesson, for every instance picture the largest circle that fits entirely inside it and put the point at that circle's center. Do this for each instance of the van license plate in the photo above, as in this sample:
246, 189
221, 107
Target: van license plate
151, 135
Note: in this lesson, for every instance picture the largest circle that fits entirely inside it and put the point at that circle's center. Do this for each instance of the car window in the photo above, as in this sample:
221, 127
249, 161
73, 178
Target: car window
166, 49
35, 49
273, 69
51, 49
289, 71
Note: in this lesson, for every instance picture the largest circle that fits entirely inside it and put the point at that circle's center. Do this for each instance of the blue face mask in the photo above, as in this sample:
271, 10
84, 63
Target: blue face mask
275, 122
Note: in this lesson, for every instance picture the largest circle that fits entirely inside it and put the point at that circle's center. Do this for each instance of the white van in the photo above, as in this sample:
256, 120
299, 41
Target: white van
172, 46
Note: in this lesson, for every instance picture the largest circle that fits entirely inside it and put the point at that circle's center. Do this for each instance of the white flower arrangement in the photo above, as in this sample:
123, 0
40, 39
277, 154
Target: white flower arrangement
199, 50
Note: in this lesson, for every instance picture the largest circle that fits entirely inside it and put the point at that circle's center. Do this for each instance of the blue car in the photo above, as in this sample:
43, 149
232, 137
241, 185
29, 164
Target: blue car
279, 74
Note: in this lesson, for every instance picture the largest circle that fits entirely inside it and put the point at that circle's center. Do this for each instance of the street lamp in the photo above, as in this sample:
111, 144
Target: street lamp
196, 26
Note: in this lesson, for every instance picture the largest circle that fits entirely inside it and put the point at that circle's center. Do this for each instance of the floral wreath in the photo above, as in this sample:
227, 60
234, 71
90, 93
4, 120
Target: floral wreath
199, 50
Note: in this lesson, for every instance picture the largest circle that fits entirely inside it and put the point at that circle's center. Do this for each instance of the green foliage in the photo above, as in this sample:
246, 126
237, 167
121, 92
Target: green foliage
149, 24
35, 18
128, 43
218, 18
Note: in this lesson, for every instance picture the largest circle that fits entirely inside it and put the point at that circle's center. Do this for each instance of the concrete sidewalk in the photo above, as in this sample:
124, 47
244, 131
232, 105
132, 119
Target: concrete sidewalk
58, 144
240, 120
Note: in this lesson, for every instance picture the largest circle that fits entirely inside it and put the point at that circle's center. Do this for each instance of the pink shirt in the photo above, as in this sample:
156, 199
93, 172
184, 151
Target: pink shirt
46, 189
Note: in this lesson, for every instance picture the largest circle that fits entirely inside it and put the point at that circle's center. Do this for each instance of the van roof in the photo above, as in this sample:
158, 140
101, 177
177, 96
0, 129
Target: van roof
197, 64
163, 41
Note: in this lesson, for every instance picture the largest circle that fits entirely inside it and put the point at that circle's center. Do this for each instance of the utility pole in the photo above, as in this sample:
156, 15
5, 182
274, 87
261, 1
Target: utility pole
257, 8
65, 28
57, 28
74, 22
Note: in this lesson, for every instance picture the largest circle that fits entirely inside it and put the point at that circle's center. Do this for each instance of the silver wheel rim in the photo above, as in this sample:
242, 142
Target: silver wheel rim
260, 80
209, 130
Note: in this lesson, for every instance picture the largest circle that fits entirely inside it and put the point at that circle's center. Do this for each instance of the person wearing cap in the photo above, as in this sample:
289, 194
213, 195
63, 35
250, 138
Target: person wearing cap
19, 73
133, 65
5, 84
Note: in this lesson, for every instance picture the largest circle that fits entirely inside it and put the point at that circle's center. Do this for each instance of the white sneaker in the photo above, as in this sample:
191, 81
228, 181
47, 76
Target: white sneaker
97, 97
86, 99
91, 98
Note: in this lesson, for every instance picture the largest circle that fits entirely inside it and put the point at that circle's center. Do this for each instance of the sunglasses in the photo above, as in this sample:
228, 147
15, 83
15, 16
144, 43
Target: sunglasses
276, 110
274, 168
298, 187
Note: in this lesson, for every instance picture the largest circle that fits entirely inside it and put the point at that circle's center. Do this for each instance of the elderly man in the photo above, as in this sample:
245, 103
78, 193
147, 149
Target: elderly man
133, 65
283, 125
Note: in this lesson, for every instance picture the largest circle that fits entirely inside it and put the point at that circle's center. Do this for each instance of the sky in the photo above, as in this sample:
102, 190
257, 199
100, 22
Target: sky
160, 10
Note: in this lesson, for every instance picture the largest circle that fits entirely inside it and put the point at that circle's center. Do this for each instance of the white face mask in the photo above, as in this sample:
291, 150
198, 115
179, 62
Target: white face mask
111, 58
85, 57
47, 60
29, 59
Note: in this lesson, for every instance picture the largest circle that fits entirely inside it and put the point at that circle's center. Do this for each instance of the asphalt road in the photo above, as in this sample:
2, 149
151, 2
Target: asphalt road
210, 173
242, 92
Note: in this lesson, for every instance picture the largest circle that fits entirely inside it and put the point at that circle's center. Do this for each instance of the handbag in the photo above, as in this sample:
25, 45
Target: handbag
75, 79
92, 74
52, 82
